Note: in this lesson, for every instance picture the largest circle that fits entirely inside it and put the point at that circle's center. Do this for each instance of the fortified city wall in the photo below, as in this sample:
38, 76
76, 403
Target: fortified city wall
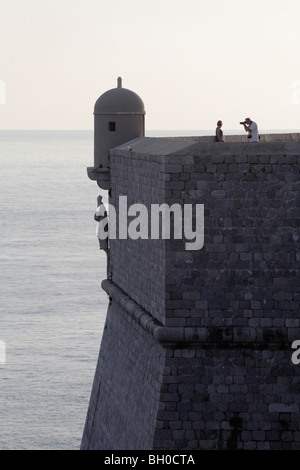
196, 350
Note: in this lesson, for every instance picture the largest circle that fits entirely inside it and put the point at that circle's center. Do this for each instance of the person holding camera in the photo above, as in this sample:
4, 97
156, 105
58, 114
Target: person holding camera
251, 128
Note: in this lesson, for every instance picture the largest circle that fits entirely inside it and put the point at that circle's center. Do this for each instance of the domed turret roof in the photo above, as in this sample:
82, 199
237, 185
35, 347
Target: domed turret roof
119, 101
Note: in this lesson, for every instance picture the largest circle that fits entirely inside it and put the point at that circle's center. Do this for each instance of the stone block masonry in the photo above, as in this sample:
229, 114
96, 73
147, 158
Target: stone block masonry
196, 352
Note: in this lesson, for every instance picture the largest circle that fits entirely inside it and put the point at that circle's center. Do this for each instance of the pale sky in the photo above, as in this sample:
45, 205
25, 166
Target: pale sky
192, 62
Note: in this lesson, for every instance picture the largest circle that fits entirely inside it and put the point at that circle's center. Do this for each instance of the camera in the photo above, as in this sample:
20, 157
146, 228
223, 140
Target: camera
244, 122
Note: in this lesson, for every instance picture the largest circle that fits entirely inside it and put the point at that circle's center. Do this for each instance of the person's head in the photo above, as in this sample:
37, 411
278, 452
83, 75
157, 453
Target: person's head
248, 121
219, 123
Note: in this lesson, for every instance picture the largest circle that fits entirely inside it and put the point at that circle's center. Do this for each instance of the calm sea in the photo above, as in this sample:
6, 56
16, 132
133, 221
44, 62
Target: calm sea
52, 307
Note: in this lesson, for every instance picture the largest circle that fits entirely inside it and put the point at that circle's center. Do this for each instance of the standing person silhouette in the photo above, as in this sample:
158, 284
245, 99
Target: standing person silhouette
252, 129
219, 132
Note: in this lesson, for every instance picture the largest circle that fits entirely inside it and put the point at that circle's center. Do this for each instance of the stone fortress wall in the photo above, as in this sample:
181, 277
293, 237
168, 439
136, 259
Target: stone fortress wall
196, 350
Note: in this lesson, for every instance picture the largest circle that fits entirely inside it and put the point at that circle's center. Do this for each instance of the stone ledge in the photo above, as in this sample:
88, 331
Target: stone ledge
101, 175
162, 148
227, 337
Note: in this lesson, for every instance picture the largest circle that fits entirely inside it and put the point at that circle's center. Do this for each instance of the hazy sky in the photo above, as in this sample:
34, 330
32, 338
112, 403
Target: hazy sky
191, 61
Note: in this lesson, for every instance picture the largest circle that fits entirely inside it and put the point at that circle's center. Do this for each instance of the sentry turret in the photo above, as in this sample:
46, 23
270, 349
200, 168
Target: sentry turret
119, 116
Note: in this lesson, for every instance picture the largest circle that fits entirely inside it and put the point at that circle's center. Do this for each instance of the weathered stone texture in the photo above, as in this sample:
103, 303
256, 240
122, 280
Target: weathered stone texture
126, 390
229, 399
247, 267
138, 265
197, 349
